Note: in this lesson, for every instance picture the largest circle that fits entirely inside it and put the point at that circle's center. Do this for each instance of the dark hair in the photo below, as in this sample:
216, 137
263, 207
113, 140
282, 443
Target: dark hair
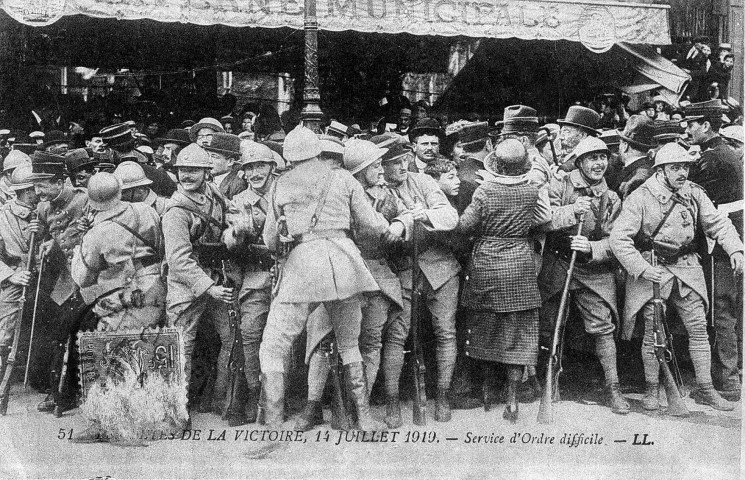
439, 166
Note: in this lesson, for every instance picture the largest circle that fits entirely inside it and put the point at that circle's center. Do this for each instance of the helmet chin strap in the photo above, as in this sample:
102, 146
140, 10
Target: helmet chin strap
588, 179
667, 181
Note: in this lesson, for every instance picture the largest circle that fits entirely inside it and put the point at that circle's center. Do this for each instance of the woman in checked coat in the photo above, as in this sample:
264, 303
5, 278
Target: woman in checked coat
501, 289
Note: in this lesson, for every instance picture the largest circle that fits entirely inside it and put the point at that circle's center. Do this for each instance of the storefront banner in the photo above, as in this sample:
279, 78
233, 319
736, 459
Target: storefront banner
598, 25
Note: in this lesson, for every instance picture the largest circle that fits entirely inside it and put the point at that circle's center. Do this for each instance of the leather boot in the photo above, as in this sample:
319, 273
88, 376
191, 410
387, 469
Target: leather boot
442, 407
651, 400
530, 391
393, 412
706, 395
490, 386
615, 400
46, 405
273, 386
252, 405
311, 416
513, 381
357, 385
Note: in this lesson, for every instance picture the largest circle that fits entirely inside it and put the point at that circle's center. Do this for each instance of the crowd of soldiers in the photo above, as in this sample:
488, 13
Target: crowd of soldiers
317, 233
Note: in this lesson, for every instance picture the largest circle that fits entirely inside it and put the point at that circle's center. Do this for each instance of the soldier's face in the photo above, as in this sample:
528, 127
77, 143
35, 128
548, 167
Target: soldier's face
594, 165
372, 173
192, 178
82, 176
570, 137
257, 174
676, 174
28, 196
696, 132
395, 171
427, 147
48, 190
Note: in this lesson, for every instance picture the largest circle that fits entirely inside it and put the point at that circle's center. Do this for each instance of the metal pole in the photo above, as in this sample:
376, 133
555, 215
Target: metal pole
311, 114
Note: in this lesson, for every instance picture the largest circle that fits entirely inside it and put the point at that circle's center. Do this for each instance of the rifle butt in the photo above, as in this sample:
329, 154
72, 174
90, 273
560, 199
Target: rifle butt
675, 404
546, 408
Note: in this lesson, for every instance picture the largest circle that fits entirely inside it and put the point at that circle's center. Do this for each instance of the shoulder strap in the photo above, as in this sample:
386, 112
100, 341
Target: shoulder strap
321, 200
662, 222
135, 233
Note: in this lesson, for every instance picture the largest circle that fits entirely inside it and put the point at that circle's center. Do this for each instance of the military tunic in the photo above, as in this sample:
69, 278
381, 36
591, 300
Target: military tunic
125, 268
156, 202
593, 281
256, 262
325, 266
14, 244
193, 221
642, 212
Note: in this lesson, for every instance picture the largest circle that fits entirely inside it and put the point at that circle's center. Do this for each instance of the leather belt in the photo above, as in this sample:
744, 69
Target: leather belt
321, 234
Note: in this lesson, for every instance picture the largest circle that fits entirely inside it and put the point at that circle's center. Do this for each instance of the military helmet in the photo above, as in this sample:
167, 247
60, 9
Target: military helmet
359, 154
22, 177
253, 152
14, 159
671, 153
589, 145
104, 191
193, 156
131, 175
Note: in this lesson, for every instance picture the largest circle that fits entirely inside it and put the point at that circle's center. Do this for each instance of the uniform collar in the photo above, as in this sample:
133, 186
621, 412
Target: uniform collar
151, 198
662, 193
200, 198
110, 213
19, 209
5, 188
580, 182
712, 143
64, 196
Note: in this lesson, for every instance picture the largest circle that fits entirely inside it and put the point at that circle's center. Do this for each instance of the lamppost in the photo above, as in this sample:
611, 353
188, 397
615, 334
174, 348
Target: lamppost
311, 114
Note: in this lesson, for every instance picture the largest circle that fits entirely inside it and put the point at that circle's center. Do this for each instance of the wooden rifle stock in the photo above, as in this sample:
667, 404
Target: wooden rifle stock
675, 404
551, 387
238, 385
341, 419
9, 363
420, 394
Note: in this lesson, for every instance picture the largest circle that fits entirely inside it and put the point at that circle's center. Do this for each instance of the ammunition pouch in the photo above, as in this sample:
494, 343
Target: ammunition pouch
667, 254
211, 255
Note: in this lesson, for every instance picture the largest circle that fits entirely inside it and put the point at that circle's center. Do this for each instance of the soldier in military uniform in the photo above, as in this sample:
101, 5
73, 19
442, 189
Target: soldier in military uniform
14, 250
663, 215
193, 224
423, 198
315, 207
243, 236
12, 160
584, 194
719, 172
136, 186
121, 255
80, 166
62, 216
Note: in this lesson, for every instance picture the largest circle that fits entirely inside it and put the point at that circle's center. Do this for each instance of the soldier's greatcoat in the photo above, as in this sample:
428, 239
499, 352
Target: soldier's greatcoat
642, 212
594, 272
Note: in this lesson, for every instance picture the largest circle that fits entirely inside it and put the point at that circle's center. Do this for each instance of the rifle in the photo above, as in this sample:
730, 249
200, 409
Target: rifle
11, 359
551, 143
238, 385
33, 321
62, 377
675, 404
340, 417
420, 394
551, 388
284, 245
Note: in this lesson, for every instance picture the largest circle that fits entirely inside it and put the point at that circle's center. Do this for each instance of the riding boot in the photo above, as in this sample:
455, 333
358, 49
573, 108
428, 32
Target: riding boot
393, 412
311, 416
514, 373
357, 385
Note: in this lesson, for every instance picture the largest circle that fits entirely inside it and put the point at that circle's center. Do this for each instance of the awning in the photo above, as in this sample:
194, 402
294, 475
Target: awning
596, 24
655, 72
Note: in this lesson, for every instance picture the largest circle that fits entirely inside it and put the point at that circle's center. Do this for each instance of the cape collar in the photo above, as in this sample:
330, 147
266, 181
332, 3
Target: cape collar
580, 182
